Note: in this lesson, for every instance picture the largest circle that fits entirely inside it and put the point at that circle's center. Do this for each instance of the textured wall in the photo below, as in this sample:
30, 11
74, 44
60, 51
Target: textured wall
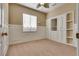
16, 11
18, 36
15, 20
55, 35
61, 10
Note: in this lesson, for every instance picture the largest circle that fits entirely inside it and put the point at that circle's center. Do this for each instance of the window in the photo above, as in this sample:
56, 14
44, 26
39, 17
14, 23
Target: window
54, 24
29, 23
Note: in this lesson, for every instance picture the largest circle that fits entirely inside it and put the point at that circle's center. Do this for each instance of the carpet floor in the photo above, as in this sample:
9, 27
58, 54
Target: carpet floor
41, 48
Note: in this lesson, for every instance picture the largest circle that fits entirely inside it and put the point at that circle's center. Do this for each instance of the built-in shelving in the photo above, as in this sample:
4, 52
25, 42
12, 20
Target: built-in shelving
69, 21
69, 28
69, 37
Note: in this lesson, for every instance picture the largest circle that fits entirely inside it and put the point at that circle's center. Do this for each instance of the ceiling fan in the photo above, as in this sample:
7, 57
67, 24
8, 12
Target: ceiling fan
46, 5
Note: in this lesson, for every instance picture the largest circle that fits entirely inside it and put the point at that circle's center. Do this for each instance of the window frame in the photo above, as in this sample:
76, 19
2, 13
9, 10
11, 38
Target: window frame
30, 29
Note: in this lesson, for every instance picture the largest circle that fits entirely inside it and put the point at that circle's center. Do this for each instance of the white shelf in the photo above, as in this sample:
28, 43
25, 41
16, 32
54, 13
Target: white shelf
70, 37
69, 21
69, 29
70, 44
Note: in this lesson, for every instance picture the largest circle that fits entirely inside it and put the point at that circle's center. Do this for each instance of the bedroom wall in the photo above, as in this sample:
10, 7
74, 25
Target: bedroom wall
15, 24
58, 12
61, 10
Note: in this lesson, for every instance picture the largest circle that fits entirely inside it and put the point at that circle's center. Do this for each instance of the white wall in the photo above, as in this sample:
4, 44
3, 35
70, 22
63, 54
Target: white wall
55, 35
77, 22
60, 34
18, 36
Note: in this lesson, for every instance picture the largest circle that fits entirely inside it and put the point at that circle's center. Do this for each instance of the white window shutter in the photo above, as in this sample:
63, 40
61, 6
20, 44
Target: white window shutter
26, 22
33, 23
29, 23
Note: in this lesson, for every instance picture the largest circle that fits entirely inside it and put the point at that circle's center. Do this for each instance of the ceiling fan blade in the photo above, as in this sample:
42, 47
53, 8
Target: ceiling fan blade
38, 5
46, 5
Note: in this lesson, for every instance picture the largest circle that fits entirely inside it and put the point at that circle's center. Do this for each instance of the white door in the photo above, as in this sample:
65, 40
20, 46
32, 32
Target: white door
4, 42
62, 28
77, 20
48, 28
54, 32
59, 26
0, 31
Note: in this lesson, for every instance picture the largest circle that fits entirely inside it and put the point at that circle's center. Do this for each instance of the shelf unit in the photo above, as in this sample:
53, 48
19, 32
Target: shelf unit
69, 28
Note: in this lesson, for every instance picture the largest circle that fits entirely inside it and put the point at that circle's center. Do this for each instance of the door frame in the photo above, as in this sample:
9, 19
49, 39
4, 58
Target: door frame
77, 22
4, 28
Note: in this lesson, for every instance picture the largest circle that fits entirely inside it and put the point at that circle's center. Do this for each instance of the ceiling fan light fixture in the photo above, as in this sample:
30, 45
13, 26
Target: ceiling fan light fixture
45, 5
42, 4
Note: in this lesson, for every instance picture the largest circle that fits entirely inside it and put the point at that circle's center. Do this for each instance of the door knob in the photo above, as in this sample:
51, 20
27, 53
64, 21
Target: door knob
4, 34
77, 35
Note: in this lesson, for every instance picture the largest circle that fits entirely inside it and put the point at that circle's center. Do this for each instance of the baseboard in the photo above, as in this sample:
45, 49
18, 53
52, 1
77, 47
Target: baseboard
5, 52
63, 43
20, 42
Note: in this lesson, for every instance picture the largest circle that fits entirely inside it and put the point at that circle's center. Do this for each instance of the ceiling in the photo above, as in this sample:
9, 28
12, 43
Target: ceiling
42, 9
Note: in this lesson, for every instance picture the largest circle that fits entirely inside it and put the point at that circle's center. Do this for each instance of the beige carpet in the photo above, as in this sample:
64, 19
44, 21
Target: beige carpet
41, 48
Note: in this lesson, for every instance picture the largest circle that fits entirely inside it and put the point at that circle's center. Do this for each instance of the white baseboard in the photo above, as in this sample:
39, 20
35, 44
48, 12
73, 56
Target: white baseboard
63, 43
18, 42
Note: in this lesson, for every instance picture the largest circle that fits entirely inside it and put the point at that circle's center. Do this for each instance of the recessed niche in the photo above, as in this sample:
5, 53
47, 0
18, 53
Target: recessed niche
69, 28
